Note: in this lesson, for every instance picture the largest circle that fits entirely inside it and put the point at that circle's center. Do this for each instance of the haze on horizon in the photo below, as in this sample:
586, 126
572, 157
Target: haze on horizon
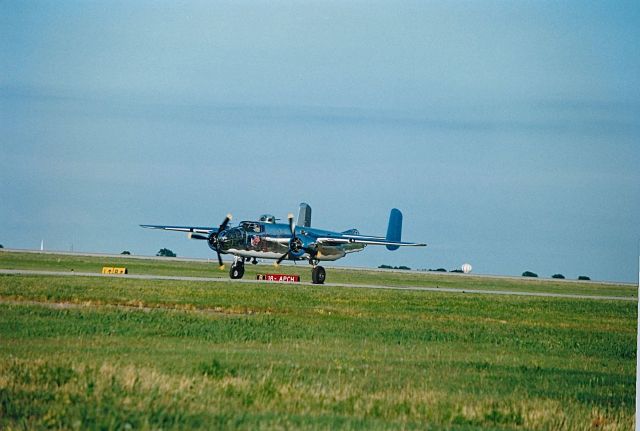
506, 132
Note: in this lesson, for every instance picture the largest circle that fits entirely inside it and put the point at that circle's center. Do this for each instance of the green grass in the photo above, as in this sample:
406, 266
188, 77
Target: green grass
110, 353
80, 263
68, 263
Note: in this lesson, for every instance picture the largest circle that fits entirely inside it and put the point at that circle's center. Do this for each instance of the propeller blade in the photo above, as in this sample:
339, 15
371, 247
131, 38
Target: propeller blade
220, 260
283, 257
222, 227
225, 222
292, 228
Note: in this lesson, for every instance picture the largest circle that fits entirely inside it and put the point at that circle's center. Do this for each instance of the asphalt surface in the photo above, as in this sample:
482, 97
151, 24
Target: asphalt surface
360, 286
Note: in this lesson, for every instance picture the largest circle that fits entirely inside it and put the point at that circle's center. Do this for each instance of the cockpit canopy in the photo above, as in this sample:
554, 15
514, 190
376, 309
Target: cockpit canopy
252, 226
268, 218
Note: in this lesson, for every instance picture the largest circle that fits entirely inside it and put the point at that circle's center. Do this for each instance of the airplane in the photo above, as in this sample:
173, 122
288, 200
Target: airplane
268, 239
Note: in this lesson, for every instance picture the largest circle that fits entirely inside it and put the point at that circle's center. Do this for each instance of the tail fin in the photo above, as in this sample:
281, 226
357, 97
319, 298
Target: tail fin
304, 216
394, 230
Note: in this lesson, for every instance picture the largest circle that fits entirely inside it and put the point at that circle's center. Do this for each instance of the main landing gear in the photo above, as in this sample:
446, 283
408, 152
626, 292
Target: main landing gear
318, 275
237, 269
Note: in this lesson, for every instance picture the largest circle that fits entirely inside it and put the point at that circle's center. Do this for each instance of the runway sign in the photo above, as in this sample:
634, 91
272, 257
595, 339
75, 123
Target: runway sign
113, 270
279, 277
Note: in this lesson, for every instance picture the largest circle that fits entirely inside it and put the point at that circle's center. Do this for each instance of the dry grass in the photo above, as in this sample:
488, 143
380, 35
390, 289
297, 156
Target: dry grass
132, 354
85, 396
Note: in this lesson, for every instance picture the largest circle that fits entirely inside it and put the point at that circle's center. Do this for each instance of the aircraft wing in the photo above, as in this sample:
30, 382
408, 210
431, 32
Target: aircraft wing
189, 229
361, 239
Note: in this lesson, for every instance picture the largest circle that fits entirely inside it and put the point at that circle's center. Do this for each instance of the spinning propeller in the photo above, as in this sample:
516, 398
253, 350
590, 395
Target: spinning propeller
214, 241
294, 243
298, 245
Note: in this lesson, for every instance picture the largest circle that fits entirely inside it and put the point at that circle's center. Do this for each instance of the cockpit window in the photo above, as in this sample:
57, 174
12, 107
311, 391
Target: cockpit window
267, 218
254, 227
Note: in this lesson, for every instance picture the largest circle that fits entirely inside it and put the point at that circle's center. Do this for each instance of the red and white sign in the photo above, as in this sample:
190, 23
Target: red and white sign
279, 278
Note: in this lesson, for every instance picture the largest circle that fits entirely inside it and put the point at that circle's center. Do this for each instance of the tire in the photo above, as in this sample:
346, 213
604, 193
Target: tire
236, 272
318, 275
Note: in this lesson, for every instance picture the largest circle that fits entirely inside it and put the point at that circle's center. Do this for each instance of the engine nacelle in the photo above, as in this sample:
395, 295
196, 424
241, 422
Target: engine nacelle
212, 241
302, 244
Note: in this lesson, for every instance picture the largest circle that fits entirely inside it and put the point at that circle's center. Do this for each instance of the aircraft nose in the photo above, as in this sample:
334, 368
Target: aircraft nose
228, 235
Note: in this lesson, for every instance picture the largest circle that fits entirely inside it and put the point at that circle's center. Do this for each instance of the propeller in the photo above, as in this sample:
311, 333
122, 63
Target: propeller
213, 239
292, 228
225, 222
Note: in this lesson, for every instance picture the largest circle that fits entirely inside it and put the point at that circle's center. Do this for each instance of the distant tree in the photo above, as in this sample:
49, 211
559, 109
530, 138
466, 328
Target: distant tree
126, 252
529, 274
560, 276
165, 252
438, 270
584, 278
459, 271
1, 246
406, 268
393, 267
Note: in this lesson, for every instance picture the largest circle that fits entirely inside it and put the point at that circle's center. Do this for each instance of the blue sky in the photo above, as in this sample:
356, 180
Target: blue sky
507, 132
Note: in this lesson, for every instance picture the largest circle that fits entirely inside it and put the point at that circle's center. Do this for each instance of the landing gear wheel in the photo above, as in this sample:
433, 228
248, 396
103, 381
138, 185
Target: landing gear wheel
318, 275
237, 271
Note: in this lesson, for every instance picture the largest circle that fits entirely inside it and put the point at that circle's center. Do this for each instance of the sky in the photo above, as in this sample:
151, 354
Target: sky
508, 133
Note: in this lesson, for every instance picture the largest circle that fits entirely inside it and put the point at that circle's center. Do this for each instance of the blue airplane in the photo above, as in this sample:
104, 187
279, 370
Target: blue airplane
268, 239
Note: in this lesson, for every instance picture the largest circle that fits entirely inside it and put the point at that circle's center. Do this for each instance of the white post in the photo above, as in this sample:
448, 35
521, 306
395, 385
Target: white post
42, 245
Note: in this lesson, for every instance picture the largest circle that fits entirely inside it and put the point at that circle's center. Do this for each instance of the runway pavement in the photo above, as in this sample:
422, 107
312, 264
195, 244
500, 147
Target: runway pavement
358, 286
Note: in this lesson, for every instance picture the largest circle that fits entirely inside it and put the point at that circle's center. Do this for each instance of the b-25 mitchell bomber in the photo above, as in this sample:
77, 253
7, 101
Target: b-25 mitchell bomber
268, 239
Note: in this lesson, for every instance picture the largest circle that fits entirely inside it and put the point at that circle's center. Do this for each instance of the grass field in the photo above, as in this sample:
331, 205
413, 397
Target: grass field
67, 263
109, 353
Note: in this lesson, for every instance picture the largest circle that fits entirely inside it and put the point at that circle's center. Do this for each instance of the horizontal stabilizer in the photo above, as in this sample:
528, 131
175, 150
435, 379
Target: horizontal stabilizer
361, 239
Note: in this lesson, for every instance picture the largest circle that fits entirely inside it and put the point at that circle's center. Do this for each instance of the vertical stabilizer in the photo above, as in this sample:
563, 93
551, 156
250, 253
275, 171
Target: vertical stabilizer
304, 217
394, 230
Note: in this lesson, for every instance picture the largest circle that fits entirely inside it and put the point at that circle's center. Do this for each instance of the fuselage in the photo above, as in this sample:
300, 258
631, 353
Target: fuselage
263, 240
